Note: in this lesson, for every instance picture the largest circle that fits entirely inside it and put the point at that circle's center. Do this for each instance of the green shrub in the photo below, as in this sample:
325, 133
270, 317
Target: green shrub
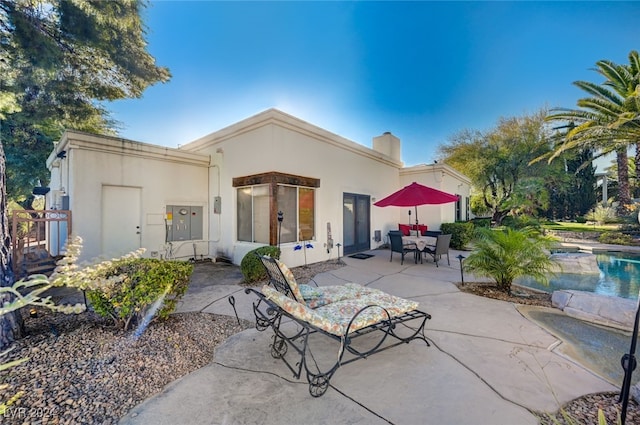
461, 233
629, 228
251, 267
581, 219
481, 222
616, 238
602, 214
521, 222
142, 282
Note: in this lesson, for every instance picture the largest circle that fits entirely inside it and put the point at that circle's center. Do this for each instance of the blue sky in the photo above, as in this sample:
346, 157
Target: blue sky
422, 70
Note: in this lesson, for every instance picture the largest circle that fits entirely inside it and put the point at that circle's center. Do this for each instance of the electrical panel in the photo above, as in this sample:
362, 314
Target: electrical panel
184, 223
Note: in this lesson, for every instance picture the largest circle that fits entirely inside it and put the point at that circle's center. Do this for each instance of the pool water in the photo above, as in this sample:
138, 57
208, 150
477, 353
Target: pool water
619, 276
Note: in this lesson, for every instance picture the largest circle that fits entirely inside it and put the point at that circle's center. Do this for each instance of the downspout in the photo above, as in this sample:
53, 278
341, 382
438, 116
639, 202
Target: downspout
217, 167
68, 181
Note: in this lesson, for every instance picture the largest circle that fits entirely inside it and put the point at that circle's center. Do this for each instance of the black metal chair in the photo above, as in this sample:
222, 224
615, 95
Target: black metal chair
441, 247
432, 233
395, 239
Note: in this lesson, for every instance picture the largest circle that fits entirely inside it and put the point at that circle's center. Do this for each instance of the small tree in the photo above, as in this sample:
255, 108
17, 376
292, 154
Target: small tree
506, 254
498, 162
60, 61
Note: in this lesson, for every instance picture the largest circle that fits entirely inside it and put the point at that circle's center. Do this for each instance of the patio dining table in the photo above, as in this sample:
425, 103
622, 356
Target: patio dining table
421, 242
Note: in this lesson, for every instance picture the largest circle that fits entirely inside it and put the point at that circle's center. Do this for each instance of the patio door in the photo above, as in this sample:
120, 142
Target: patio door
356, 223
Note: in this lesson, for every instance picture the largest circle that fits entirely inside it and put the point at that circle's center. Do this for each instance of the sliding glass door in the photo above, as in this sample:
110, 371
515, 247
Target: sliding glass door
356, 223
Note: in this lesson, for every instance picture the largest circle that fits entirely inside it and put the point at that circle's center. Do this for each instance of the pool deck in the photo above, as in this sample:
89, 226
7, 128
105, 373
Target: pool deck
593, 247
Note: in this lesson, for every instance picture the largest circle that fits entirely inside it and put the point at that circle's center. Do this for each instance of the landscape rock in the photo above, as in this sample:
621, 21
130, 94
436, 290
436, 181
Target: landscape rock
605, 310
560, 299
576, 263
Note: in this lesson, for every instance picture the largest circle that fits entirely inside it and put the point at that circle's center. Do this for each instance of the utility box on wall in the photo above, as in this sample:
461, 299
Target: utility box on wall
184, 223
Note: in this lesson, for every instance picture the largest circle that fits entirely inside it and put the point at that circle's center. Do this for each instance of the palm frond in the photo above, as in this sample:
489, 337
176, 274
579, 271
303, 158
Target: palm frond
624, 119
634, 62
618, 76
575, 115
609, 119
597, 90
600, 107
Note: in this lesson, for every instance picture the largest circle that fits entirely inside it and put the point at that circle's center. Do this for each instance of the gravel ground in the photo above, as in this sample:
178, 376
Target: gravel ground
519, 295
305, 274
82, 370
584, 410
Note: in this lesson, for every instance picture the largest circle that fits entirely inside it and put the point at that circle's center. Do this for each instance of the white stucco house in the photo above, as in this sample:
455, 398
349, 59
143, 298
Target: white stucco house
219, 196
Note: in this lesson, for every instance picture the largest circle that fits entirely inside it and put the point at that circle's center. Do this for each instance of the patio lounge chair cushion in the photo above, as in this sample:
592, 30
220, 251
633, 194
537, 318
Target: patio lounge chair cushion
317, 297
309, 292
334, 318
291, 280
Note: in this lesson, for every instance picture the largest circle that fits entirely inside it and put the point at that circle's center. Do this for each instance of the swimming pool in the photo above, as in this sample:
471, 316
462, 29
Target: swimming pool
619, 276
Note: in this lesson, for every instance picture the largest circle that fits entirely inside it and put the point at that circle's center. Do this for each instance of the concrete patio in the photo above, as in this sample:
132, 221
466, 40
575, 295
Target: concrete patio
487, 364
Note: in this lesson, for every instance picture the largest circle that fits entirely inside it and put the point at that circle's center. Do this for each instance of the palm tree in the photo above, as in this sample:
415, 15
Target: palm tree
506, 254
609, 120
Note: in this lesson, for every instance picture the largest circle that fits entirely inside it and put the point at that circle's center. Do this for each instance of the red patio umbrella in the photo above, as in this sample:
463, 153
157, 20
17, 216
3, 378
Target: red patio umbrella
416, 194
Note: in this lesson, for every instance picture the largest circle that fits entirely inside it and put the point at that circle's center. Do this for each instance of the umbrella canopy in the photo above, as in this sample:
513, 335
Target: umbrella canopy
416, 194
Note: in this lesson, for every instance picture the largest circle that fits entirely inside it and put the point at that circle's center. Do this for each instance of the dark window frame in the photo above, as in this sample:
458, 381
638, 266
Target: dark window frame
273, 179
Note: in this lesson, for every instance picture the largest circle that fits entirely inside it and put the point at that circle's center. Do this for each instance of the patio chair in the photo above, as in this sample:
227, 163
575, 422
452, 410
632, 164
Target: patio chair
432, 233
441, 247
395, 238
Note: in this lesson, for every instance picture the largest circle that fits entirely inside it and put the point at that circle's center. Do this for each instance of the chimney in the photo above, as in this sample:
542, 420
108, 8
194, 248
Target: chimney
387, 144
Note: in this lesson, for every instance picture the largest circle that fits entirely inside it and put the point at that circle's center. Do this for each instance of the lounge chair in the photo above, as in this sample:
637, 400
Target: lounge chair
441, 247
342, 313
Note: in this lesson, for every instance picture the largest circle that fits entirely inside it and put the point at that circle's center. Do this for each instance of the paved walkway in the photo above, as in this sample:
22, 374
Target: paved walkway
488, 364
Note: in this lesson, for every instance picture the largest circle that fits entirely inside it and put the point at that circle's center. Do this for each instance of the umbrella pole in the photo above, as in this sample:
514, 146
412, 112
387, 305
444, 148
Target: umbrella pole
417, 230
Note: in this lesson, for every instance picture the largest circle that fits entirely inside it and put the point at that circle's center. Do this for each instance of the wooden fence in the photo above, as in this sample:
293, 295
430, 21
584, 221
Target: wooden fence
38, 238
